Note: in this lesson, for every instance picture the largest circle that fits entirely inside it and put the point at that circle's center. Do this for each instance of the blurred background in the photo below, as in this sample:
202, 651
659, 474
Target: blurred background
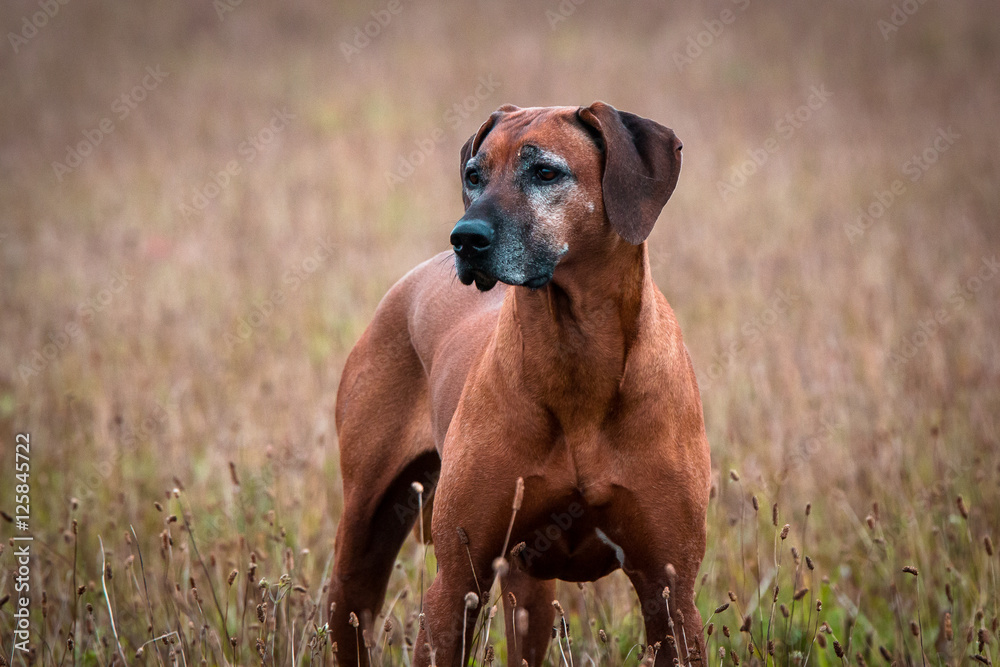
201, 204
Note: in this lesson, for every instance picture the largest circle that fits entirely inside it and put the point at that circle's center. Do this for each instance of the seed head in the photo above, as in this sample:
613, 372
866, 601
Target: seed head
722, 607
260, 611
471, 600
949, 632
962, 508
885, 654
603, 635
732, 596
755, 503
232, 577
988, 543
352, 618
518, 494
870, 520
838, 649
733, 475
799, 594
909, 569
463, 537
725, 631
559, 608
809, 563
784, 531
774, 514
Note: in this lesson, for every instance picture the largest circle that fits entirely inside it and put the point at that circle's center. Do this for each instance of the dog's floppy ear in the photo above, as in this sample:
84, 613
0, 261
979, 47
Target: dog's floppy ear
472, 145
641, 162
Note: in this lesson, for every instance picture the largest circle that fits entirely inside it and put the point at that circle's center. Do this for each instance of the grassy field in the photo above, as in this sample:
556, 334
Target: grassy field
201, 205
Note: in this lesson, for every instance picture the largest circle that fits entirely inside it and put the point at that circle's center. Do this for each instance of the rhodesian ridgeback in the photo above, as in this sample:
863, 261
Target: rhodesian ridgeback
570, 374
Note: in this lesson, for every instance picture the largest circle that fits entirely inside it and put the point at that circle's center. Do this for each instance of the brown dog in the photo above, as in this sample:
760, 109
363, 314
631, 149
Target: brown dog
572, 376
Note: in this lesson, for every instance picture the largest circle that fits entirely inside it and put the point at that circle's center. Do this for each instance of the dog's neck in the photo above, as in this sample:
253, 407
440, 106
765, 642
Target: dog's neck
581, 326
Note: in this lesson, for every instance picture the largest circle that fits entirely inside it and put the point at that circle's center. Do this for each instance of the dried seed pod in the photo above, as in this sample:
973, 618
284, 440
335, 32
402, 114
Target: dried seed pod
962, 507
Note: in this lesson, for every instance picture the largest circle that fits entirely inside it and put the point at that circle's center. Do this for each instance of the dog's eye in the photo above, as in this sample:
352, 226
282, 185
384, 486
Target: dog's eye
544, 173
472, 177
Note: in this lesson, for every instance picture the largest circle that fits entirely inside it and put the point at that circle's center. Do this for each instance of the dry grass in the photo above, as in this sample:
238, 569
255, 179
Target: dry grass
217, 336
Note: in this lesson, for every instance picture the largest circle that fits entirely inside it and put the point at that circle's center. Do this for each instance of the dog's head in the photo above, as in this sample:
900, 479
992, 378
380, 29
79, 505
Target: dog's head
542, 185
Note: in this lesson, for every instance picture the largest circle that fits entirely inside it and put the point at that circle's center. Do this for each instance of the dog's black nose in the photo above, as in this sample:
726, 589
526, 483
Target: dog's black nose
471, 237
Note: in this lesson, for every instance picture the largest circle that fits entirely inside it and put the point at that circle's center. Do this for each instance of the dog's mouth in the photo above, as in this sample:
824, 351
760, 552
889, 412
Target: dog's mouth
484, 283
537, 282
